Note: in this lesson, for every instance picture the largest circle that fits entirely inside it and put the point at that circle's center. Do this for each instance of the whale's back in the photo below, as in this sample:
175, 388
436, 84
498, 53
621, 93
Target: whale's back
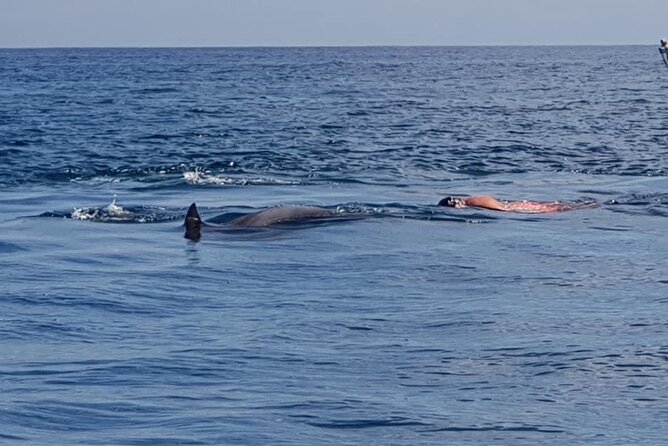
282, 214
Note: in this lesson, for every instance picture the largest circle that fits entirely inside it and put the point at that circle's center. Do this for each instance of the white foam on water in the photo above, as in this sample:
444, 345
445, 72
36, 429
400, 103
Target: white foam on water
358, 209
85, 214
201, 177
114, 210
95, 180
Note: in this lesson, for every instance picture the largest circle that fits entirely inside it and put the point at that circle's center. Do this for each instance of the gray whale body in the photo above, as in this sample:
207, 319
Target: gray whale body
261, 219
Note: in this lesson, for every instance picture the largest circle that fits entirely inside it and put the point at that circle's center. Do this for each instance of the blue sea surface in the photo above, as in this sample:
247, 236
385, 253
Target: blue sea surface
415, 324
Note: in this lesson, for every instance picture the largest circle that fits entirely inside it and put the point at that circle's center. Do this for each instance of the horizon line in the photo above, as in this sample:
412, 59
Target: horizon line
324, 46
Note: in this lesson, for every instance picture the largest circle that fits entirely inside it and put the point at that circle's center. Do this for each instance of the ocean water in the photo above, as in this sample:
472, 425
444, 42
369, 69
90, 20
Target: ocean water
416, 324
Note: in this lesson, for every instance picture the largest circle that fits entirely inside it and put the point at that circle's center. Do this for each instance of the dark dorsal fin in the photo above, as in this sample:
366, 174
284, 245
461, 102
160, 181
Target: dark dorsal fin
193, 223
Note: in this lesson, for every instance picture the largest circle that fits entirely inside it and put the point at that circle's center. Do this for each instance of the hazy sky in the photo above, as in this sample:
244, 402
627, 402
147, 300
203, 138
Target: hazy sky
48, 23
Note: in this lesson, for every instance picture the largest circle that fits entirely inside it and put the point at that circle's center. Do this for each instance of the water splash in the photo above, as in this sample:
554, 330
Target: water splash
203, 177
110, 212
114, 210
85, 214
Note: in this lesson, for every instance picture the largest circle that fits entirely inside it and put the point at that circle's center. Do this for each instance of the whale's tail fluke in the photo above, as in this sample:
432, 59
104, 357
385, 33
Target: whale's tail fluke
193, 224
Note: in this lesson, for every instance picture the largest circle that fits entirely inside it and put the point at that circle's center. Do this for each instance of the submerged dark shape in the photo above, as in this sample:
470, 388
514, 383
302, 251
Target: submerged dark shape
265, 218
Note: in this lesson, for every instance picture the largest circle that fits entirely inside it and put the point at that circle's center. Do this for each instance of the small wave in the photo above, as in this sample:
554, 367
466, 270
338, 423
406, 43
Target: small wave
204, 111
154, 90
157, 136
96, 180
395, 421
501, 428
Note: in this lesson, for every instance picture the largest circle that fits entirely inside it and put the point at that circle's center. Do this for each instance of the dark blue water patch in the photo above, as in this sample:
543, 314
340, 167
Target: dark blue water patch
640, 199
104, 301
25, 329
612, 228
651, 204
8, 248
155, 90
658, 212
278, 118
53, 416
7, 436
